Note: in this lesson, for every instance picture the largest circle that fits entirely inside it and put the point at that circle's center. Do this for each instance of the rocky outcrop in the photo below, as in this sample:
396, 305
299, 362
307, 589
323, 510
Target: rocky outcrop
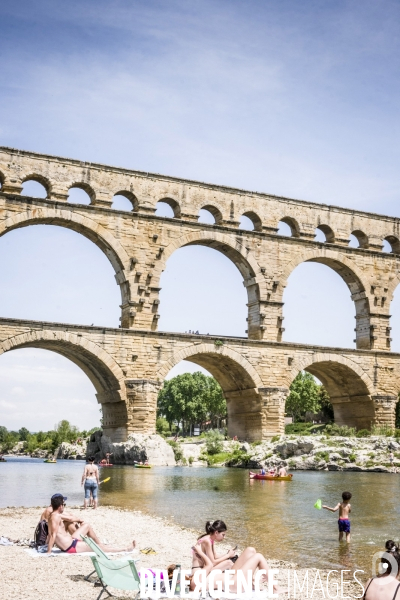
72, 451
139, 447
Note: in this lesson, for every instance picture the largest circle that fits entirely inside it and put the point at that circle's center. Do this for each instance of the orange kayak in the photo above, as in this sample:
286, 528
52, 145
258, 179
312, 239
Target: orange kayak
270, 477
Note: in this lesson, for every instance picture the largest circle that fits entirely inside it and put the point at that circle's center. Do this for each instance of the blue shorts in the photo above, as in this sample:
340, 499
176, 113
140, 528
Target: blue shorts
90, 486
344, 525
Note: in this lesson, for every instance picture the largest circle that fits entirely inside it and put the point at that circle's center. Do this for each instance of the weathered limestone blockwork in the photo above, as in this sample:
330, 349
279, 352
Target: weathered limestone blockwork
138, 243
128, 365
255, 375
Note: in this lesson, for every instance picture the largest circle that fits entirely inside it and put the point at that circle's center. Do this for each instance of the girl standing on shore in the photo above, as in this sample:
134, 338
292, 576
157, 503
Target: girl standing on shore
90, 478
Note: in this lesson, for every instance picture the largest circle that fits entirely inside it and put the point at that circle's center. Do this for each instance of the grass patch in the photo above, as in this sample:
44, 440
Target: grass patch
217, 459
322, 456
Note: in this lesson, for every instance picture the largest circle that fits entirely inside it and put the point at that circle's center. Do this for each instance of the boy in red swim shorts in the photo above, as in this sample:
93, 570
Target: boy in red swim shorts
344, 512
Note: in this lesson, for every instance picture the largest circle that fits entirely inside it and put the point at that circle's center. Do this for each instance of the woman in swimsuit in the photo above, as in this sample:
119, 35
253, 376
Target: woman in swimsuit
90, 478
205, 557
204, 554
386, 586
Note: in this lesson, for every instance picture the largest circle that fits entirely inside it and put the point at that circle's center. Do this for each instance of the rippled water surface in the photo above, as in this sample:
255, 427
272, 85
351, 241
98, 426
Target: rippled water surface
277, 517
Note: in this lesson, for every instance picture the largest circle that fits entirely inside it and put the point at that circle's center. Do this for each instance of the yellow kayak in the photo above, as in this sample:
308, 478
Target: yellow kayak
48, 460
142, 466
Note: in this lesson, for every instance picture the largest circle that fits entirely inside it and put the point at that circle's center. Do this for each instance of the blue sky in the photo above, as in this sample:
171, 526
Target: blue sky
298, 99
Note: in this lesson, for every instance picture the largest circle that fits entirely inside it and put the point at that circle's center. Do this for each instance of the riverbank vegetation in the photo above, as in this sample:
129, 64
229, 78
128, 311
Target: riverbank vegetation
23, 441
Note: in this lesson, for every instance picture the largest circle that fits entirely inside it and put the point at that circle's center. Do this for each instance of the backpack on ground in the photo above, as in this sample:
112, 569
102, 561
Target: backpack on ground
41, 533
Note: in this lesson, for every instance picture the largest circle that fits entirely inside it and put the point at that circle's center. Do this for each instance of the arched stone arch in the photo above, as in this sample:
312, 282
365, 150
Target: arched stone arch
328, 233
215, 211
255, 219
350, 389
292, 223
105, 374
44, 181
97, 234
239, 380
354, 280
129, 196
173, 203
252, 378
241, 257
86, 188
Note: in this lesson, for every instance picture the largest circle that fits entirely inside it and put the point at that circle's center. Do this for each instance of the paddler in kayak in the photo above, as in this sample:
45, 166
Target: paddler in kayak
282, 472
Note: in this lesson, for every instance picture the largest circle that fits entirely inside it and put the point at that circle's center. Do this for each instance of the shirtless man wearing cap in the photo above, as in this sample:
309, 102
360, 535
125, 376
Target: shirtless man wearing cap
71, 522
71, 543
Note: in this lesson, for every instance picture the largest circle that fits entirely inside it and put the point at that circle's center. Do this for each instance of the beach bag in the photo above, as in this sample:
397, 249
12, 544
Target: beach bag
41, 533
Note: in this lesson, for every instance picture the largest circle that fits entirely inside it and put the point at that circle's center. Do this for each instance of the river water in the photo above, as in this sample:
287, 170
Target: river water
277, 517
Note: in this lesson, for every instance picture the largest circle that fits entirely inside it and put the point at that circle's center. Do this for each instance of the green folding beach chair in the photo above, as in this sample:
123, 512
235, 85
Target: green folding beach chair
101, 554
116, 574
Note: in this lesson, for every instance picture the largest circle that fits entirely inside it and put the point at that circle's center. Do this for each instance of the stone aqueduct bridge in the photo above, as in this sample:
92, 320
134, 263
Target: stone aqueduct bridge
128, 365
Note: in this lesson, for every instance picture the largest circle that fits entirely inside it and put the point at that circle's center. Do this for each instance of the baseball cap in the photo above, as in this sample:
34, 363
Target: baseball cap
59, 496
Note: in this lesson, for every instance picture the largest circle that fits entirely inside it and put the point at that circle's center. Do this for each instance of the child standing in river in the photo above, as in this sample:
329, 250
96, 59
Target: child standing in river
344, 512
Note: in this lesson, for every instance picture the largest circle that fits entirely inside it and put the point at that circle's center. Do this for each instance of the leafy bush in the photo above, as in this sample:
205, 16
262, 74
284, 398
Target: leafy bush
397, 433
191, 459
257, 443
217, 459
382, 430
352, 457
340, 430
276, 438
177, 450
214, 441
322, 455
298, 428
162, 426
363, 433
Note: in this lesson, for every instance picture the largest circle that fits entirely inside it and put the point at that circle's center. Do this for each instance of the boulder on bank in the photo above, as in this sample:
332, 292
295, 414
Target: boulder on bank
139, 447
72, 451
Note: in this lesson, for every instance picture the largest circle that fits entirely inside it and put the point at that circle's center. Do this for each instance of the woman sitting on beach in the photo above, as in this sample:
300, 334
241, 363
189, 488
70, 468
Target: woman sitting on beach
204, 554
386, 586
205, 558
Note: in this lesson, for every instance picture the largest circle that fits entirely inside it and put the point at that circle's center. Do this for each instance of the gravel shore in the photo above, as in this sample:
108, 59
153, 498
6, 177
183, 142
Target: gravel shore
60, 578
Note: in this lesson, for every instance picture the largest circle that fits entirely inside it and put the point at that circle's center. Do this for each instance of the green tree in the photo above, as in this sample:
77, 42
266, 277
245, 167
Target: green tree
304, 396
190, 399
3, 433
325, 404
23, 434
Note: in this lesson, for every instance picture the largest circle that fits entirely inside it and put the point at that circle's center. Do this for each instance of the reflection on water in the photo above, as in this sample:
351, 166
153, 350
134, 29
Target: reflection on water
277, 517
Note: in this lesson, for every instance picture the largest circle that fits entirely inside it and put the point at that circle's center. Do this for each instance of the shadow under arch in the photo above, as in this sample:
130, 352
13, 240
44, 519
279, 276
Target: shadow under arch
239, 381
102, 370
352, 277
253, 280
94, 232
349, 388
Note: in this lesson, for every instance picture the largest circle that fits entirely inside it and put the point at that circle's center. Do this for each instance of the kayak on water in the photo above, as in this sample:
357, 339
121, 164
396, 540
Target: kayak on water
105, 465
50, 461
270, 477
142, 466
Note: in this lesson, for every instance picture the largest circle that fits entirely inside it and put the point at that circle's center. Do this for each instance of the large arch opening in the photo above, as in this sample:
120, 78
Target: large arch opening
318, 309
39, 388
52, 273
102, 371
239, 382
348, 393
202, 291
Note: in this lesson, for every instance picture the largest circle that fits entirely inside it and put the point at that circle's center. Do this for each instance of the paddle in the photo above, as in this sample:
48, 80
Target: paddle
318, 504
104, 480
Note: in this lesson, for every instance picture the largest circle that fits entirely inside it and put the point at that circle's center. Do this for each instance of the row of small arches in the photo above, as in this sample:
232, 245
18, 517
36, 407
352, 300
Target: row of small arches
82, 193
